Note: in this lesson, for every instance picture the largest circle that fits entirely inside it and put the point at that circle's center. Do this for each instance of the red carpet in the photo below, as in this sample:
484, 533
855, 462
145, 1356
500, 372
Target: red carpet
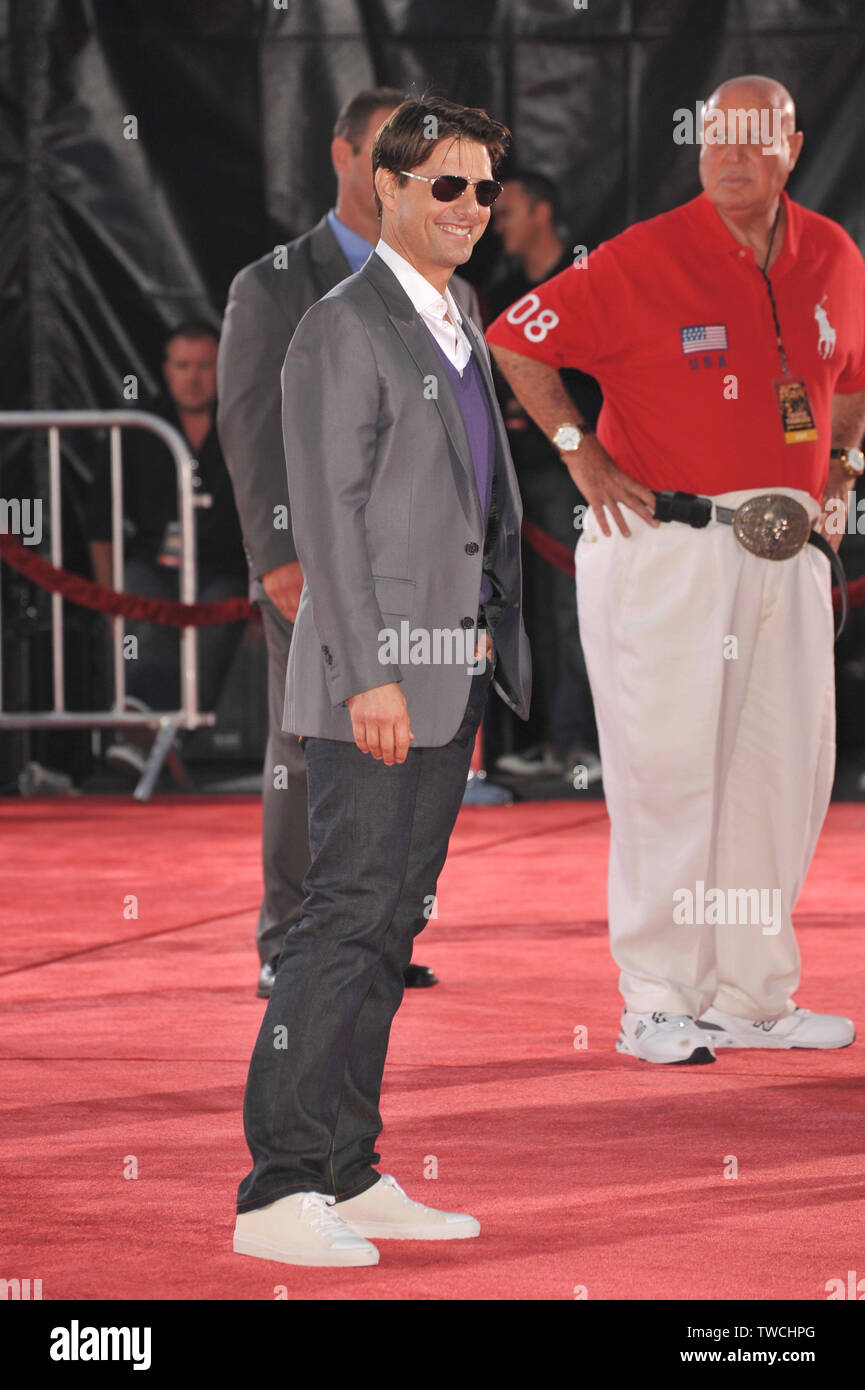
127, 1038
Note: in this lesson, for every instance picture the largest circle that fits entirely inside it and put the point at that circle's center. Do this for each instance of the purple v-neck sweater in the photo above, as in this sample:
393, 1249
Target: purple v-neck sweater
474, 407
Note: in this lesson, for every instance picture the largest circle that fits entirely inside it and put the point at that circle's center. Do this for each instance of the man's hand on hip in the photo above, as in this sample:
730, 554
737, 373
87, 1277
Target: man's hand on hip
603, 484
283, 586
380, 723
542, 394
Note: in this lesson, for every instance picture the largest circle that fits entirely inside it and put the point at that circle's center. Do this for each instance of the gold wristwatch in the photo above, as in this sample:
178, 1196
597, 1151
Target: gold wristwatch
568, 438
852, 461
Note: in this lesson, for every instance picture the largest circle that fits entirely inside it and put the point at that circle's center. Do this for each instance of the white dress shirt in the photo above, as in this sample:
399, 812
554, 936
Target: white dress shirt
431, 306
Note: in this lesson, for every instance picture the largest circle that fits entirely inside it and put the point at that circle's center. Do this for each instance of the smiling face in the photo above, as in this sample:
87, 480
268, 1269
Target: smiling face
744, 178
436, 238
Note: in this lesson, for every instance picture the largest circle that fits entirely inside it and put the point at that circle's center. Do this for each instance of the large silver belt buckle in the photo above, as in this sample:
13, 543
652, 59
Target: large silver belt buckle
772, 526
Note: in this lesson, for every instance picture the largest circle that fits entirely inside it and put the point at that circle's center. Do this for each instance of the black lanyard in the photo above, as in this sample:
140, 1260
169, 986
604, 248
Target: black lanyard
762, 269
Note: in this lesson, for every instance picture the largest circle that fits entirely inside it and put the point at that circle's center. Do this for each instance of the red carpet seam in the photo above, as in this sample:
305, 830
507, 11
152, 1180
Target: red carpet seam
220, 917
849, 1082
529, 835
127, 940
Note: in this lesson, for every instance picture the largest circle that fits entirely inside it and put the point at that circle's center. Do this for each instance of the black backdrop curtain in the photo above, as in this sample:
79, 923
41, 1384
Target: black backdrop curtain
149, 148
107, 240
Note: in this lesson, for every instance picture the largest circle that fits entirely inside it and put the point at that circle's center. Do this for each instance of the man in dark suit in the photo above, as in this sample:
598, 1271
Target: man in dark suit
266, 302
406, 518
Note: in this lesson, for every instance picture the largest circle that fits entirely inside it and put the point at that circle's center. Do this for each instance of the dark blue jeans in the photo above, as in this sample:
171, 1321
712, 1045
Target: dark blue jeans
155, 676
378, 839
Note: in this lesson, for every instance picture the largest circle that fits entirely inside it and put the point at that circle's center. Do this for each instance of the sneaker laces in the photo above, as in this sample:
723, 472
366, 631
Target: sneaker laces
316, 1211
390, 1181
681, 1019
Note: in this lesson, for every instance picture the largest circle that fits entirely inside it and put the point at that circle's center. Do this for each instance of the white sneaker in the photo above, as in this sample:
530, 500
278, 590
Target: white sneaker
582, 766
385, 1211
661, 1037
536, 761
799, 1029
302, 1229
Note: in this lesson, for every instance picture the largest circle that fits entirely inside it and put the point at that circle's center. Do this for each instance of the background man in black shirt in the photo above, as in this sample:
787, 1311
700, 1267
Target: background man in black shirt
560, 735
152, 534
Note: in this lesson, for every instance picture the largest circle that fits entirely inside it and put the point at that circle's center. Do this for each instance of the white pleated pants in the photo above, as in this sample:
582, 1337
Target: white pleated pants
713, 680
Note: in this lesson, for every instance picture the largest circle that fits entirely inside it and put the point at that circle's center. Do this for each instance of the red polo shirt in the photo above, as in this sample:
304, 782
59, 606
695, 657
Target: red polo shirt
673, 318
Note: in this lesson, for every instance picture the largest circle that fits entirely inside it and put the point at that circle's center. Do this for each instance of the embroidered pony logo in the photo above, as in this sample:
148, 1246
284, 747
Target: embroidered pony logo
826, 342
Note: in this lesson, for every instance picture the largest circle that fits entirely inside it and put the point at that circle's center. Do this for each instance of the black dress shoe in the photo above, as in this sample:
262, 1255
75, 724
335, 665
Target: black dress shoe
419, 977
266, 978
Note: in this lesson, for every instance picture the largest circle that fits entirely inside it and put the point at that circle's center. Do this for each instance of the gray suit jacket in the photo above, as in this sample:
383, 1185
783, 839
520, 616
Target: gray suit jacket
386, 515
265, 305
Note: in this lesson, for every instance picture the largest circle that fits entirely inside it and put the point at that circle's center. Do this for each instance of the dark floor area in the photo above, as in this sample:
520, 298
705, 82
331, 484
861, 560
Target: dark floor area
232, 776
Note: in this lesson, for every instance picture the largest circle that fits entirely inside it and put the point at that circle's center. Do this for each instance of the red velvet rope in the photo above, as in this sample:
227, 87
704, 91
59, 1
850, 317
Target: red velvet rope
561, 556
233, 610
90, 595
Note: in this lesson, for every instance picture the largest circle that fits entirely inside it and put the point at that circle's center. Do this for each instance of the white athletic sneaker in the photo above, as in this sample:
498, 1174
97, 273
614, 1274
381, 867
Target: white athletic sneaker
537, 761
799, 1029
385, 1211
302, 1229
580, 763
661, 1037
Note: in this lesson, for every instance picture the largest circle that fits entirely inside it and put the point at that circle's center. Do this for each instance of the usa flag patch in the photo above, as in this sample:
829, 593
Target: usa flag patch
704, 337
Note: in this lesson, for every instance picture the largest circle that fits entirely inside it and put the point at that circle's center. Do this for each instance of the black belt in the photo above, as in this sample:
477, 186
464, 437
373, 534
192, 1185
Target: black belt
773, 526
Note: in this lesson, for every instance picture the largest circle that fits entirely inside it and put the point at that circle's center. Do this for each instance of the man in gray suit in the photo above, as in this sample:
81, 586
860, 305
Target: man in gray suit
266, 302
406, 519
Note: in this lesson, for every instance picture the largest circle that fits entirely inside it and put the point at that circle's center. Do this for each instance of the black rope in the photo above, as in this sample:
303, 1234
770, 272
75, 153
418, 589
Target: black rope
762, 269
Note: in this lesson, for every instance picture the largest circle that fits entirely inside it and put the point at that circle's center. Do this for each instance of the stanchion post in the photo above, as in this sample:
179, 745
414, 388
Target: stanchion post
188, 640
58, 673
117, 564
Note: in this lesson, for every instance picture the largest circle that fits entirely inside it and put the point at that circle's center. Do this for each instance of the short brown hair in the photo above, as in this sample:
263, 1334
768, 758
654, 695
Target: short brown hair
193, 330
354, 115
405, 141
538, 189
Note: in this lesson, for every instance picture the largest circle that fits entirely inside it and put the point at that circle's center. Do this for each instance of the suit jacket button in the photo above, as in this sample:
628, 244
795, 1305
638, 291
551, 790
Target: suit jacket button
467, 623
472, 548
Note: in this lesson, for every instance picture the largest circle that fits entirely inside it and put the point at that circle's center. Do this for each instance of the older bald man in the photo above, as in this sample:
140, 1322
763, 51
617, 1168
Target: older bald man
729, 339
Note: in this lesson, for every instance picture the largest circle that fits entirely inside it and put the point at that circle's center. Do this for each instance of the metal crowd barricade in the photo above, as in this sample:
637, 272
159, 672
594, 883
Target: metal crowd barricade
166, 722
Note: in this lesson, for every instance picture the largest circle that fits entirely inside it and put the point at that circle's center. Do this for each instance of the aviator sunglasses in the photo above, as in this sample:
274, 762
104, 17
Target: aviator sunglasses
446, 188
